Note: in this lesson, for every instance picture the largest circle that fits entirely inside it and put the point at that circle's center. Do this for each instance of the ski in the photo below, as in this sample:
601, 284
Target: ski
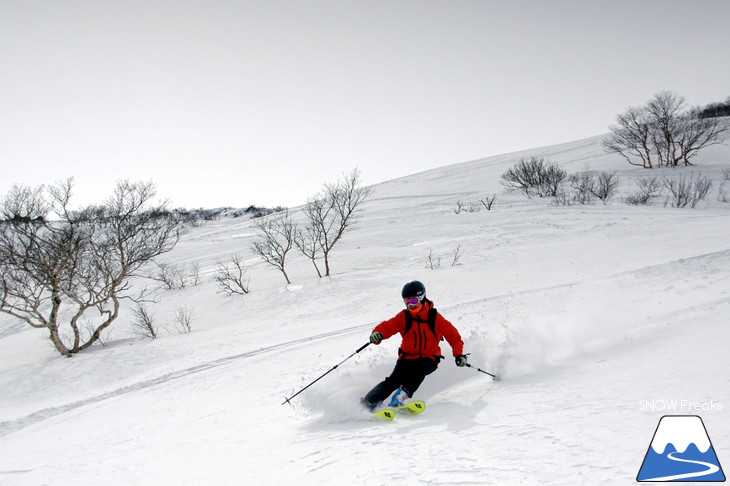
410, 408
385, 414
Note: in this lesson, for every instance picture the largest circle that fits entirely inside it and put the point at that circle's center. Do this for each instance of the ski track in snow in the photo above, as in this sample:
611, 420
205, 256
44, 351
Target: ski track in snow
12, 329
41, 415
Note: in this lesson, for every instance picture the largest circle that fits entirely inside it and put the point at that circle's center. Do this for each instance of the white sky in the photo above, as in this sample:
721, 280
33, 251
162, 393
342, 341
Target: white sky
237, 102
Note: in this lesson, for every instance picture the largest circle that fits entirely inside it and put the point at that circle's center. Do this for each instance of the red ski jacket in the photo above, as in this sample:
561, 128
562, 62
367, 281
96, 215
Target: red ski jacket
420, 341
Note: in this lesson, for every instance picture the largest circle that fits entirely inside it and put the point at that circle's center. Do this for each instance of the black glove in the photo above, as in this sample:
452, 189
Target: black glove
376, 337
461, 360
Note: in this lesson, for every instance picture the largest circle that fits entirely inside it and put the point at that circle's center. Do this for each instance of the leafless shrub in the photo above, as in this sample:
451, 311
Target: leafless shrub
688, 191
488, 201
650, 188
169, 275
535, 176
173, 277
231, 276
433, 262
456, 256
562, 198
606, 185
723, 194
582, 184
198, 217
589, 185
183, 319
144, 324
258, 212
469, 207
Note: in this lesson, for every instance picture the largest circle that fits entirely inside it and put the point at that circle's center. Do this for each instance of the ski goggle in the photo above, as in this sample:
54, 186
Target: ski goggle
412, 301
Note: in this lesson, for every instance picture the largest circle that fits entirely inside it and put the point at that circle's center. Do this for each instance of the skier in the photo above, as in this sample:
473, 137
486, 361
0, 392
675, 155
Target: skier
421, 328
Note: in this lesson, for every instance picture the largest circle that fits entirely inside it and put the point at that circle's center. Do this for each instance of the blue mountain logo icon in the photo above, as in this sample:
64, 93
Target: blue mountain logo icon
681, 451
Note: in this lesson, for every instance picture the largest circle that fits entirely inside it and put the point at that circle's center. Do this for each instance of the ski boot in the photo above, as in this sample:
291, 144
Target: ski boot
399, 398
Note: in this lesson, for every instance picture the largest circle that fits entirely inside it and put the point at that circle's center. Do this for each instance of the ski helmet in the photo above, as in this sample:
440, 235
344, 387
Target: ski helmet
413, 289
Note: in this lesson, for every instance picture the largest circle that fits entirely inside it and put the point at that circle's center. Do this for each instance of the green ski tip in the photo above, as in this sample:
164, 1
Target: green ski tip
386, 414
414, 408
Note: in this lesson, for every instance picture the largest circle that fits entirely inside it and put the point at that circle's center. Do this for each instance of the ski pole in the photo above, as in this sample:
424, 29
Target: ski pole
287, 400
494, 377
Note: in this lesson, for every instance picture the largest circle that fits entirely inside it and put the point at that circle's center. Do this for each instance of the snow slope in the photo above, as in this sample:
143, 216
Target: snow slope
599, 319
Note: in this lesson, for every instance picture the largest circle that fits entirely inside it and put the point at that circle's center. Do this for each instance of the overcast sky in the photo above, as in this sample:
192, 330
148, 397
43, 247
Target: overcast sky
238, 102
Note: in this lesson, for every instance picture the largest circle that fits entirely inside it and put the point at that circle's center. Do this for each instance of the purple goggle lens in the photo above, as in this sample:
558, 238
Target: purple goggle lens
412, 301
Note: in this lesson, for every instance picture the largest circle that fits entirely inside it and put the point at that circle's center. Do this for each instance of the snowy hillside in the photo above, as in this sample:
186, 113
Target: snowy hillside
599, 319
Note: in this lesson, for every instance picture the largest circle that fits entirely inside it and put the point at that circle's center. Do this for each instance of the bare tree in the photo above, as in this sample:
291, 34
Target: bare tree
308, 242
332, 212
24, 204
276, 239
631, 137
664, 132
231, 276
53, 273
665, 110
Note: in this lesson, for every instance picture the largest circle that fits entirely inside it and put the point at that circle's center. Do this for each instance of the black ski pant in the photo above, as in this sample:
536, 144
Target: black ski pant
407, 374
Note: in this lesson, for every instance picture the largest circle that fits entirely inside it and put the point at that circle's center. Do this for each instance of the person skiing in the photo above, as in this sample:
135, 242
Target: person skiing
421, 327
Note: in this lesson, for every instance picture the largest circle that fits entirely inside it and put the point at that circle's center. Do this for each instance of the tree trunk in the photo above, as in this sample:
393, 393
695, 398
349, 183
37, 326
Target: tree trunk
57, 342
326, 264
314, 262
